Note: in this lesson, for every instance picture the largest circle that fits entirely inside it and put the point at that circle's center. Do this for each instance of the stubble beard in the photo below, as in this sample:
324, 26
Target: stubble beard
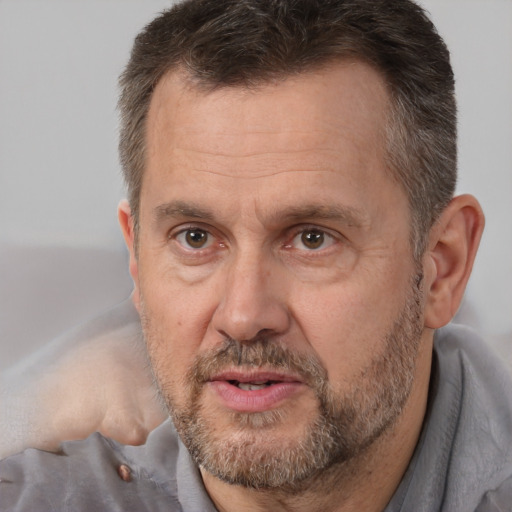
345, 424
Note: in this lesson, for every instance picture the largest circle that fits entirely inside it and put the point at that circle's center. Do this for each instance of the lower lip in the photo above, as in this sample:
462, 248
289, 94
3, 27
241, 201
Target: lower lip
258, 400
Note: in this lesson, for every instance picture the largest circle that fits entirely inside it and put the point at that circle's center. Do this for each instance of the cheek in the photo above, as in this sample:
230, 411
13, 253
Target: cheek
177, 316
346, 324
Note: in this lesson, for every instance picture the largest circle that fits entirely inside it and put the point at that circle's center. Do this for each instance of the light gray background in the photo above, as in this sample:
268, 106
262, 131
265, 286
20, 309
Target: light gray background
61, 254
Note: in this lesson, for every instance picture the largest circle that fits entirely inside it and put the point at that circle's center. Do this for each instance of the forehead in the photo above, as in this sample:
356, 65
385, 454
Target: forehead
347, 99
330, 121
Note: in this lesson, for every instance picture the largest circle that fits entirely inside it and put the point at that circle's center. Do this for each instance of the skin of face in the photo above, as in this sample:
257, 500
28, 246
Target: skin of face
268, 215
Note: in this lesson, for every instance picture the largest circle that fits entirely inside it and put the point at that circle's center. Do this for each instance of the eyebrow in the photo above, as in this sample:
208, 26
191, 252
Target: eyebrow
348, 215
178, 209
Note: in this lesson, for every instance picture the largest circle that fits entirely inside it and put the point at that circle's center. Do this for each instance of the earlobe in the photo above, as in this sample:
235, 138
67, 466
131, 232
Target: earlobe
126, 222
453, 244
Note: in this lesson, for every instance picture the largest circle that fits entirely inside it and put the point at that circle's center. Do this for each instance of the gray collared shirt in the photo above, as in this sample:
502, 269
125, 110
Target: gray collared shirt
462, 463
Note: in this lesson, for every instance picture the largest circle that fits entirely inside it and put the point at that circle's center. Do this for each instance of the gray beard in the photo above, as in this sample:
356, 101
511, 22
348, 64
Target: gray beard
345, 424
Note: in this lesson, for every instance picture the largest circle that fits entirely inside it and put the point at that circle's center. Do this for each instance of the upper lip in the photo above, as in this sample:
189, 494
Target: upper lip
254, 376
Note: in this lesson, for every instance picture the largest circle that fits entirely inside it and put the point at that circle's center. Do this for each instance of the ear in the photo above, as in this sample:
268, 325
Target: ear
453, 243
126, 222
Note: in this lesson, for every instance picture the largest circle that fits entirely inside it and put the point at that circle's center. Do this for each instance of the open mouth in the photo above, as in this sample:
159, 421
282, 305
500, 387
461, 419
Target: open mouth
254, 391
252, 386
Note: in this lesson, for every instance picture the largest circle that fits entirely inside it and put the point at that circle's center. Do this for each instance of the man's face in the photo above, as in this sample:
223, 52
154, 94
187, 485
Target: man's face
275, 276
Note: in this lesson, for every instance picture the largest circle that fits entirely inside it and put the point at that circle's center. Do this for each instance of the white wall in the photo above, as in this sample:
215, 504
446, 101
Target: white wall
62, 259
59, 176
59, 62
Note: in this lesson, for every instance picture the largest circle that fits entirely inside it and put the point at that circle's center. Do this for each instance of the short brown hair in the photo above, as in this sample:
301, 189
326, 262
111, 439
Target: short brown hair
221, 43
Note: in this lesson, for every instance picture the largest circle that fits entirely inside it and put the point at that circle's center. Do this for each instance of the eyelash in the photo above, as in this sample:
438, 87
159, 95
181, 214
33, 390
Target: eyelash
328, 237
192, 227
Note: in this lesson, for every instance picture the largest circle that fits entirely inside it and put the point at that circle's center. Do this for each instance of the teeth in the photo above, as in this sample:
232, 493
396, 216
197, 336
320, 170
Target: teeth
252, 386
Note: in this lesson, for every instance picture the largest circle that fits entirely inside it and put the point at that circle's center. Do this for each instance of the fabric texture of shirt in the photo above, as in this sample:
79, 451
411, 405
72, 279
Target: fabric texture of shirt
462, 462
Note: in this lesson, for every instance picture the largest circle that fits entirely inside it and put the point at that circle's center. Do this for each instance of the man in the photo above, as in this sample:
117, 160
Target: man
295, 244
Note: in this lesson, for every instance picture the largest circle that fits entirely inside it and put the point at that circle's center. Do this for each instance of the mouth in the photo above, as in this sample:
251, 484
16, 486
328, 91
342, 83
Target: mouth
254, 379
252, 386
254, 391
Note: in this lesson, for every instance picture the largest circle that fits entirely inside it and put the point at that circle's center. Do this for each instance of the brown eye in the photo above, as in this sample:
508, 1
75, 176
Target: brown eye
195, 238
312, 239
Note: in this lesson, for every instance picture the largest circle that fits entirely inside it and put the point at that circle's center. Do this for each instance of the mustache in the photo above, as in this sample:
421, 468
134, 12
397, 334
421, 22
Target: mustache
259, 352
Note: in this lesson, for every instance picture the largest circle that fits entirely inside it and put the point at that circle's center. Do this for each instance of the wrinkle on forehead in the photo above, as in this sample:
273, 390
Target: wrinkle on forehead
246, 144
274, 114
261, 164
232, 150
262, 173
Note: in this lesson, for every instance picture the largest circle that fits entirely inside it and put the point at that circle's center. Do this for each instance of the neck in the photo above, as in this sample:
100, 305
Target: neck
366, 482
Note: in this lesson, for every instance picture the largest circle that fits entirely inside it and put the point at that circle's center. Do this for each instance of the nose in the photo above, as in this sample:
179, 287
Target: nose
252, 301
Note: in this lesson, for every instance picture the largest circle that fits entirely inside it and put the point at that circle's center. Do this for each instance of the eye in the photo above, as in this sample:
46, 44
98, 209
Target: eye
194, 238
312, 239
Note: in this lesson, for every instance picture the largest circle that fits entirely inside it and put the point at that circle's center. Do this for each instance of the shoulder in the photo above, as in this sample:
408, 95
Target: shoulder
94, 474
474, 396
462, 343
464, 455
497, 500
477, 384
